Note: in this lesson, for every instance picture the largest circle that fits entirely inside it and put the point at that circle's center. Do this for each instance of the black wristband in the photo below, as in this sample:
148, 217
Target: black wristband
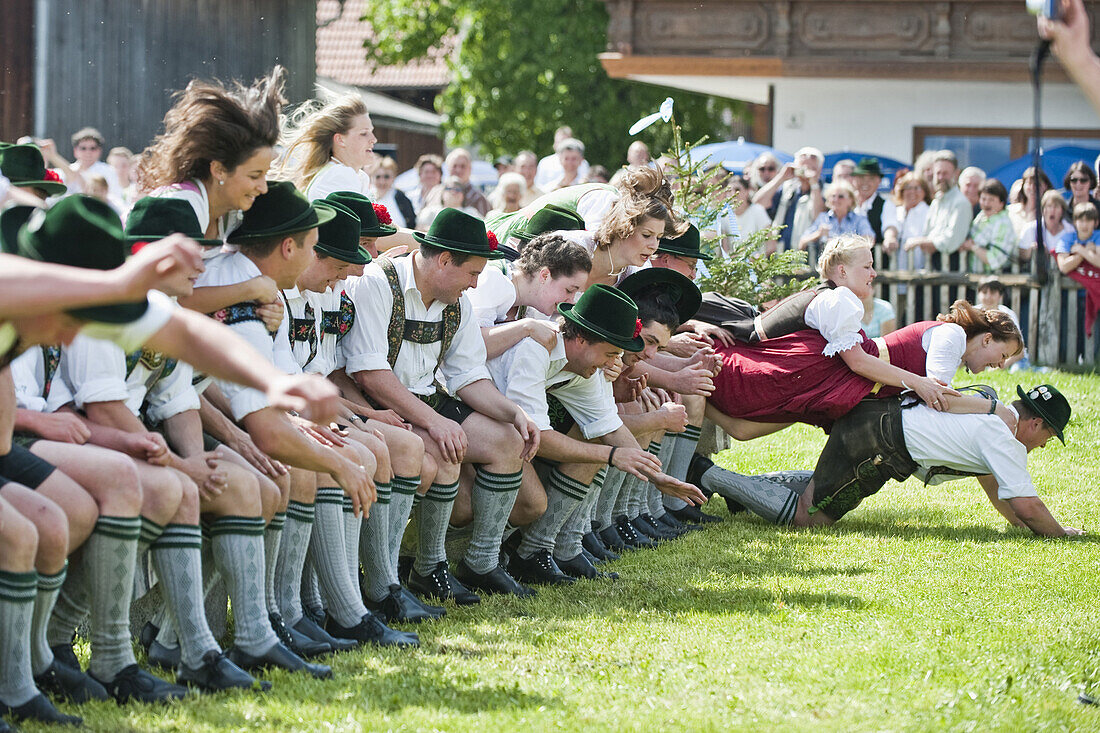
992, 406
611, 455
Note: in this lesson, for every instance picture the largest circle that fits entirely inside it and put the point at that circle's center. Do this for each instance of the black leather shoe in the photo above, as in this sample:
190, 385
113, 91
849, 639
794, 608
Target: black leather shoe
297, 642
662, 532
134, 683
434, 612
217, 673
540, 568
611, 538
278, 657
396, 607
62, 681
442, 585
314, 613
597, 549
163, 657
694, 515
496, 581
40, 709
404, 567
647, 528
581, 567
734, 507
308, 628
371, 630
668, 520
64, 654
631, 536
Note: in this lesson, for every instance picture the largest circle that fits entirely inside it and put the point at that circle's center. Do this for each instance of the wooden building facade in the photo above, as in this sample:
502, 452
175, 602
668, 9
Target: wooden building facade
113, 64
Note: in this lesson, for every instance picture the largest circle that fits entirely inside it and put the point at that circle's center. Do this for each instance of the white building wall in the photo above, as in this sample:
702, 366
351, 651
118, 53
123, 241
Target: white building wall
879, 115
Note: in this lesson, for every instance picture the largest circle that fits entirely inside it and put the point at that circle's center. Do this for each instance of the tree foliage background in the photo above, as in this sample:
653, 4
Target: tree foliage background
525, 67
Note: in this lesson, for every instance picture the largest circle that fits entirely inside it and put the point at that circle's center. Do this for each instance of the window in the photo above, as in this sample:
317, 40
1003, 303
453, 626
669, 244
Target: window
991, 147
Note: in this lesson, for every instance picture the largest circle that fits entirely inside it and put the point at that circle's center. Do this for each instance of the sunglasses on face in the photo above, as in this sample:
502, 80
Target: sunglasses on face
767, 168
1079, 180
87, 147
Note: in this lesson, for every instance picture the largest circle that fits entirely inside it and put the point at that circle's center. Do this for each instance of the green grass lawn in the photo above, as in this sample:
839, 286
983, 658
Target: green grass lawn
920, 611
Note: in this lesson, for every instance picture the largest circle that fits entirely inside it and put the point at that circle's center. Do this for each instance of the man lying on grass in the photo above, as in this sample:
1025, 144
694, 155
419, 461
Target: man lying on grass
882, 439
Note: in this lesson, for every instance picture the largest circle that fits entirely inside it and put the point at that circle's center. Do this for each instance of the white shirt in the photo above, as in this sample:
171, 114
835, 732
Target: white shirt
493, 296
330, 356
194, 192
973, 443
526, 372
753, 220
366, 345
945, 345
910, 225
99, 168
335, 176
229, 269
550, 171
838, 315
28, 371
95, 371
889, 211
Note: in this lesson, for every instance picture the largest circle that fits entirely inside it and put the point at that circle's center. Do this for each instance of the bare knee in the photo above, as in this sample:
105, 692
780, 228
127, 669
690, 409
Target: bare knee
124, 497
188, 512
506, 445
50, 525
241, 496
18, 540
160, 494
270, 496
406, 452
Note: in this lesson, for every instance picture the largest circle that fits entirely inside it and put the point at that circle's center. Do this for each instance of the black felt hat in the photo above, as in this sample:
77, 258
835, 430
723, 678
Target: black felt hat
339, 237
457, 231
608, 313
280, 212
374, 219
79, 231
23, 165
1049, 404
683, 293
685, 245
154, 217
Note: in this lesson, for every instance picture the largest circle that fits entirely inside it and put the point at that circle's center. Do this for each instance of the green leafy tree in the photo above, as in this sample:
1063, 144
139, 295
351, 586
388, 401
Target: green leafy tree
525, 67
701, 194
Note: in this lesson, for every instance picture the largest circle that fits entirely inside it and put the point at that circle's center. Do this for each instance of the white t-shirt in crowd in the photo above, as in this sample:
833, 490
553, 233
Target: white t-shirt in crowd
335, 176
549, 172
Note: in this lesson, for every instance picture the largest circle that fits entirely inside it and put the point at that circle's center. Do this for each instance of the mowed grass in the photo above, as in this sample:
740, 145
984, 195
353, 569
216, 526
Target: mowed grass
920, 611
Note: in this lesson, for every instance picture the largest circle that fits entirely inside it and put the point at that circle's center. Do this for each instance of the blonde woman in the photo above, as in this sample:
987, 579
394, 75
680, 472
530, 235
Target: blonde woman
328, 148
812, 363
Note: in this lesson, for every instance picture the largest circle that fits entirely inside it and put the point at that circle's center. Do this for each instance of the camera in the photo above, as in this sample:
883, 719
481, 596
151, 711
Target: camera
1047, 8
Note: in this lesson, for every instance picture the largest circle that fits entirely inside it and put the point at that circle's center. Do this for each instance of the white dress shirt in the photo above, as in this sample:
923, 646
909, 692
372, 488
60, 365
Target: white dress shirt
366, 345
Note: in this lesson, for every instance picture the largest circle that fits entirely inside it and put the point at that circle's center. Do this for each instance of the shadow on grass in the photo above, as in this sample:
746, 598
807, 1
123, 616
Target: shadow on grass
429, 686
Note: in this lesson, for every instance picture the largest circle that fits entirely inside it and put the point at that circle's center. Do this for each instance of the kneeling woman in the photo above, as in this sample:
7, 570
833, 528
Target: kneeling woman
791, 373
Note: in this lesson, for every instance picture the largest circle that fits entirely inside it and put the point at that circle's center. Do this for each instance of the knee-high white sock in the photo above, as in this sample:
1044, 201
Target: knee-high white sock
177, 557
492, 497
353, 525
292, 557
273, 536
238, 552
49, 587
770, 499
109, 556
609, 496
563, 495
402, 500
342, 599
374, 546
435, 515
17, 592
567, 545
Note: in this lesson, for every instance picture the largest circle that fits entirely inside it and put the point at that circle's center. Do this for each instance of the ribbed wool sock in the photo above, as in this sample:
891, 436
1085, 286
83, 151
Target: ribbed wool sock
273, 536
567, 545
238, 550
683, 448
71, 608
435, 515
17, 593
492, 497
402, 500
109, 556
374, 546
49, 587
563, 495
292, 557
311, 587
177, 557
342, 598
769, 499
609, 496
353, 525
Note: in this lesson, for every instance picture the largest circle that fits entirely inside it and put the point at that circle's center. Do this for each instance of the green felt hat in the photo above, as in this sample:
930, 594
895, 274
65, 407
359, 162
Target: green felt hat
339, 237
608, 313
23, 165
1049, 404
375, 220
868, 167
457, 231
664, 282
154, 218
550, 218
79, 231
685, 245
280, 212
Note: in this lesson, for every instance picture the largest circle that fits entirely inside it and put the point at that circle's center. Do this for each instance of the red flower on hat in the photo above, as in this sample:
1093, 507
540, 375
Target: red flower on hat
137, 247
51, 175
493, 243
382, 213
637, 327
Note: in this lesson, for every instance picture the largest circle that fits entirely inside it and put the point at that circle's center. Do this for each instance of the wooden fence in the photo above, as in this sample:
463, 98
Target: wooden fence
1051, 316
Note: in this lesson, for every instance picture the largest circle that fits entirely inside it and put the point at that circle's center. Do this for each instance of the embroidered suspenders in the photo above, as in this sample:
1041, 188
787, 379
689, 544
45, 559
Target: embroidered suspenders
418, 332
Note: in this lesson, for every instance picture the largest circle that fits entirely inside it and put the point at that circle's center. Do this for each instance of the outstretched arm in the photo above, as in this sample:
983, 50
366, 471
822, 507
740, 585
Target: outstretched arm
989, 483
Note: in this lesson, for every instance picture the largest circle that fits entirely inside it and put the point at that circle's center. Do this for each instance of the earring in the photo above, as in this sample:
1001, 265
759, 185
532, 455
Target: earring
221, 182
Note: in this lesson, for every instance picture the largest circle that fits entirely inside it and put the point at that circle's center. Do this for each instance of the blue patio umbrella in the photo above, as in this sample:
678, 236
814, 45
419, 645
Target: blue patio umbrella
734, 155
889, 166
1056, 162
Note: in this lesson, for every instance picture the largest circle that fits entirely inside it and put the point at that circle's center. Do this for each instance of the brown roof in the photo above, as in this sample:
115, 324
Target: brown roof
342, 56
